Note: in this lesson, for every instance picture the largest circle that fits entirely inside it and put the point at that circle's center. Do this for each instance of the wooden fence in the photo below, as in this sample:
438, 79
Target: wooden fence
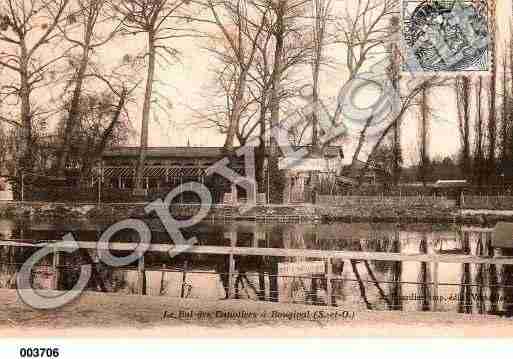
326, 255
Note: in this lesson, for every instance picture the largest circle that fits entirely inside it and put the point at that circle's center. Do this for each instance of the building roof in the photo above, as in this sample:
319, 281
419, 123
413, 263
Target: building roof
185, 151
156, 172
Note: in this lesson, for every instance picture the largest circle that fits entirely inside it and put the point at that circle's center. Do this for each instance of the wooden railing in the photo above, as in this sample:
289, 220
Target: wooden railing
326, 255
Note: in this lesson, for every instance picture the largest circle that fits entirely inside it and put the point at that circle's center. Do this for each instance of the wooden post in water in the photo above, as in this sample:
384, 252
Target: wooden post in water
141, 274
258, 235
56, 276
234, 194
329, 276
231, 277
232, 235
184, 278
435, 287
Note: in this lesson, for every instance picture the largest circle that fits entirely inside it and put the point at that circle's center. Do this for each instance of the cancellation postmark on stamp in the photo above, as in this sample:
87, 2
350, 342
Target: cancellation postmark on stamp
445, 35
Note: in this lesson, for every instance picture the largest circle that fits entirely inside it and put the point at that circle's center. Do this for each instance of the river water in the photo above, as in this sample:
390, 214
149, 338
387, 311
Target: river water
355, 284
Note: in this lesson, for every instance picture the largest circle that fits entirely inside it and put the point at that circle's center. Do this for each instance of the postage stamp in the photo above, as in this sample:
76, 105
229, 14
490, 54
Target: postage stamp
445, 35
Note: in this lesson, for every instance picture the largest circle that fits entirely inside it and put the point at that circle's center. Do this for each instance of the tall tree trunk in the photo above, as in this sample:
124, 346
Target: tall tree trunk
146, 110
394, 76
397, 272
424, 134
319, 27
275, 176
316, 148
361, 141
510, 104
233, 123
504, 116
25, 161
492, 122
463, 85
106, 136
74, 111
492, 127
479, 155
260, 150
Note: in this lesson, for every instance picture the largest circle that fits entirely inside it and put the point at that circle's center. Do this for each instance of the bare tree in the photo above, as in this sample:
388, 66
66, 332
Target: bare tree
287, 46
159, 21
84, 20
27, 29
407, 101
394, 74
479, 157
364, 29
104, 122
321, 13
424, 160
463, 87
510, 103
218, 112
241, 30
492, 93
506, 118
285, 15
271, 41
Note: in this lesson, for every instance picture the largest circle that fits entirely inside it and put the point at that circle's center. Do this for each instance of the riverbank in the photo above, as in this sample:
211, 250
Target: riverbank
72, 213
101, 314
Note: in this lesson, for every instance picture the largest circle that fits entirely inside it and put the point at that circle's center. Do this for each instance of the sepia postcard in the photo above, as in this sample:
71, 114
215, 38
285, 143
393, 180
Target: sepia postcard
270, 168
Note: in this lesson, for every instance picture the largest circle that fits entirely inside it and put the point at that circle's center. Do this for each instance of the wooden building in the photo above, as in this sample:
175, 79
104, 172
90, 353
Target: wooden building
168, 167
373, 173
164, 165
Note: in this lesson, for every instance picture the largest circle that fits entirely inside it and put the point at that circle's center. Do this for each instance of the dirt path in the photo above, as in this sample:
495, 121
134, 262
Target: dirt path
119, 315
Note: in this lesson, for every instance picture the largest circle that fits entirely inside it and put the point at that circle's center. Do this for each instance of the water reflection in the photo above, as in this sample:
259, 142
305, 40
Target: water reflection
353, 284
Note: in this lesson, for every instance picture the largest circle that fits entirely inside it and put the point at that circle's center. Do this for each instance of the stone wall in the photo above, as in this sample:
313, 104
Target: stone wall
403, 201
409, 210
108, 195
487, 202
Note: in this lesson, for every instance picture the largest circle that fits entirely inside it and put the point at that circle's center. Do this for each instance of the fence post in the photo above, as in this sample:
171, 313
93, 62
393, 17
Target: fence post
141, 274
99, 190
329, 276
22, 187
231, 279
184, 277
56, 276
435, 286
232, 235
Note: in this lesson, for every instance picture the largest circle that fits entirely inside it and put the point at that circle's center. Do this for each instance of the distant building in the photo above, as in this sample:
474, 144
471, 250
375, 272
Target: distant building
6, 193
451, 183
373, 173
450, 188
168, 167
